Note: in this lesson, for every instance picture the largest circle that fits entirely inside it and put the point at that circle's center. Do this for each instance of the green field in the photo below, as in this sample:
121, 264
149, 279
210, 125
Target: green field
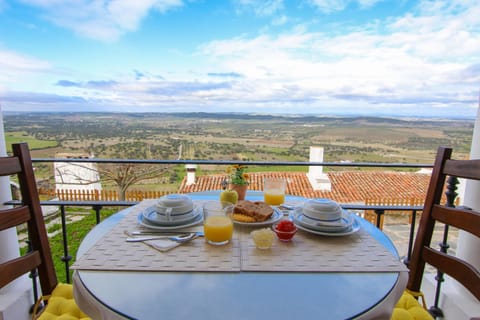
33, 143
242, 137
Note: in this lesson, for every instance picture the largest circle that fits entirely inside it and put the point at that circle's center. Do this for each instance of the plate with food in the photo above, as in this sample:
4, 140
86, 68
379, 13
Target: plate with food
255, 213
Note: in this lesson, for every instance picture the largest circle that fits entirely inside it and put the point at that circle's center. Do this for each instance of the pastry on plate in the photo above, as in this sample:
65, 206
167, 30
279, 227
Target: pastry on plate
246, 210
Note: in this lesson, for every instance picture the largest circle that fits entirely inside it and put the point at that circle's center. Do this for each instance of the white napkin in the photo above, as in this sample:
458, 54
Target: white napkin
164, 245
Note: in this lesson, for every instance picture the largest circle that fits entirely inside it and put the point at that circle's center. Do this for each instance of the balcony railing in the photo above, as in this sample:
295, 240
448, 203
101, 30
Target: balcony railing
97, 206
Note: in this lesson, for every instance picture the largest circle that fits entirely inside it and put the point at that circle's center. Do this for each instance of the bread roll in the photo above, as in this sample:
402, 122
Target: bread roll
259, 210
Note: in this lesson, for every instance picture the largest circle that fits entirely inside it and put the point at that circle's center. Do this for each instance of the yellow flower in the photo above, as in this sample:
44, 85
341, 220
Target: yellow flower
237, 174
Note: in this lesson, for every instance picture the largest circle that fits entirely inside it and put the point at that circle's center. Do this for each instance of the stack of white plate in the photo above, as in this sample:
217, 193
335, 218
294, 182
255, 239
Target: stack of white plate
170, 212
326, 217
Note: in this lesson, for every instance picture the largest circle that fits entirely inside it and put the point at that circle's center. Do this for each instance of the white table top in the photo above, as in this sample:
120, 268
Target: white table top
235, 295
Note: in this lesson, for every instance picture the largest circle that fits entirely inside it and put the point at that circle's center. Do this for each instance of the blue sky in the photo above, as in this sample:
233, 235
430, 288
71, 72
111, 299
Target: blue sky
369, 57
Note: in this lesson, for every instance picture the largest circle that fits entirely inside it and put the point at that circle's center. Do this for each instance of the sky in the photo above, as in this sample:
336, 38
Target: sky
363, 57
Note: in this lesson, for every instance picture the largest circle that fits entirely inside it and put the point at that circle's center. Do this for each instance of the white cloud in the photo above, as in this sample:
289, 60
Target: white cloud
329, 6
102, 20
426, 59
280, 20
368, 3
260, 7
18, 69
437, 31
12, 63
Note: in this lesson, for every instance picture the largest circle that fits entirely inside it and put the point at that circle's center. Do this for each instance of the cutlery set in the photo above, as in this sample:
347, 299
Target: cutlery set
140, 236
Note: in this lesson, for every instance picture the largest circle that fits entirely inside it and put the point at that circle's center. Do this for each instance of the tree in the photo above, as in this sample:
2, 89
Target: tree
126, 175
122, 175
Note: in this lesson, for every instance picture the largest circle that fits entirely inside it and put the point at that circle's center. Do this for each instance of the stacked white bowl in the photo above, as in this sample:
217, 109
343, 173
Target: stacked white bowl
174, 207
322, 209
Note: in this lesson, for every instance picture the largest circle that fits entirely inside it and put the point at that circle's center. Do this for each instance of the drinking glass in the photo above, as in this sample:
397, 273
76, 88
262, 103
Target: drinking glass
218, 222
274, 191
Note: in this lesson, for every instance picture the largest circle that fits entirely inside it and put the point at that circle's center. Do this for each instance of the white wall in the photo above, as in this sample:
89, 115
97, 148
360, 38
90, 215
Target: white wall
16, 297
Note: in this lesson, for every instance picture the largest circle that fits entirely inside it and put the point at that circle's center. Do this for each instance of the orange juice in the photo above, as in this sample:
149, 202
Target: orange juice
274, 190
218, 229
273, 198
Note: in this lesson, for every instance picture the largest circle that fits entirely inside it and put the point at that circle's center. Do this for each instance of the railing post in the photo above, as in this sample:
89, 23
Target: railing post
451, 194
97, 209
411, 236
379, 213
66, 257
33, 275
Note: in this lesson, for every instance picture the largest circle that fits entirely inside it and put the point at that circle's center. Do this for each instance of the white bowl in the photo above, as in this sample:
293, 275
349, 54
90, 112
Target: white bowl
162, 219
322, 209
174, 204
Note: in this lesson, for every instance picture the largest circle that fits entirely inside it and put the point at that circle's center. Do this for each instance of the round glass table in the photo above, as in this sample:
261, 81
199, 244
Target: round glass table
235, 295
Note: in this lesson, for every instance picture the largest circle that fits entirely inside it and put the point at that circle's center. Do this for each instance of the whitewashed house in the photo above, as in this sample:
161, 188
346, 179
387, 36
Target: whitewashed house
76, 175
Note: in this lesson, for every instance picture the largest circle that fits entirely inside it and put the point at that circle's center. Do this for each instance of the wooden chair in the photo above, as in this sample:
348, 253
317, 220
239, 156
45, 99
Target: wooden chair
433, 212
58, 296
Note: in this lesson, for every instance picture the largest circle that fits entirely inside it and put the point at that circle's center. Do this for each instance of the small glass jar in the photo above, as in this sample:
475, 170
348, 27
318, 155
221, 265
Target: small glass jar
263, 238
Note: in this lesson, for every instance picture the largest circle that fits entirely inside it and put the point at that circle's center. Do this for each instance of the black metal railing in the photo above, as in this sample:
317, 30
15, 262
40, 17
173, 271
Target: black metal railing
97, 206
248, 163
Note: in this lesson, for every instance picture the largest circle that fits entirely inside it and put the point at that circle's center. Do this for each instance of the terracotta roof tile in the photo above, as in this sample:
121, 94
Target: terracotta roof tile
346, 186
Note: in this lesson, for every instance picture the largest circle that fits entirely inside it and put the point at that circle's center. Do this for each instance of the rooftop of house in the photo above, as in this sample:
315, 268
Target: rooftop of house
346, 186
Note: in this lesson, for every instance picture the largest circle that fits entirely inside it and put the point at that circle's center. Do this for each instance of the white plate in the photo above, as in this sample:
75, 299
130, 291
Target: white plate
141, 221
354, 228
276, 216
330, 226
302, 220
151, 216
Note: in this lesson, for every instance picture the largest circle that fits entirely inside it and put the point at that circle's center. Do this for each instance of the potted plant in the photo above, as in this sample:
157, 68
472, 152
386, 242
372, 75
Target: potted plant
238, 180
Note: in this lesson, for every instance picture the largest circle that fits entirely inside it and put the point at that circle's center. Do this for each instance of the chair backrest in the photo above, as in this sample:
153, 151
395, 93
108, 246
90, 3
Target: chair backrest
30, 212
434, 211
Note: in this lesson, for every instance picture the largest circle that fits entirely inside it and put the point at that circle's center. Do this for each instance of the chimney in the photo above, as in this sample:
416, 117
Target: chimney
317, 178
191, 169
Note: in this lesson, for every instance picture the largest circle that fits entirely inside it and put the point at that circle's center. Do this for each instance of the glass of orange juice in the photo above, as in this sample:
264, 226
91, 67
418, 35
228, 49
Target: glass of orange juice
274, 191
218, 222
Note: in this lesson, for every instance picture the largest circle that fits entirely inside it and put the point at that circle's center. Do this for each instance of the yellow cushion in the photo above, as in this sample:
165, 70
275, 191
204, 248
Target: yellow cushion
61, 305
408, 308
